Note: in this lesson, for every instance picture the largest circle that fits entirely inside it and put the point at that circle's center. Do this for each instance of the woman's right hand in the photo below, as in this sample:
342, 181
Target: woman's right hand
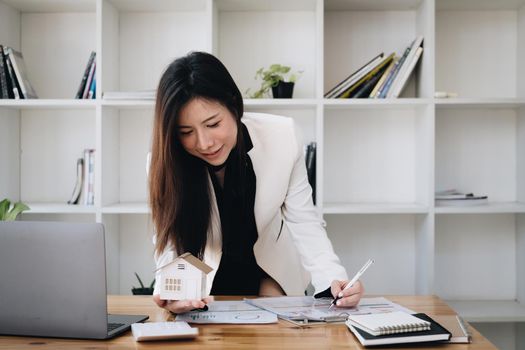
181, 306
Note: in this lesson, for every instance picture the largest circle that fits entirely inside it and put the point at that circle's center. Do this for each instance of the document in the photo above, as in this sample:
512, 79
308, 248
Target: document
234, 312
302, 310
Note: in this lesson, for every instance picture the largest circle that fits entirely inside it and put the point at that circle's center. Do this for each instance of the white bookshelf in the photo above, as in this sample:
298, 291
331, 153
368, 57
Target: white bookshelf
378, 162
374, 208
60, 208
40, 104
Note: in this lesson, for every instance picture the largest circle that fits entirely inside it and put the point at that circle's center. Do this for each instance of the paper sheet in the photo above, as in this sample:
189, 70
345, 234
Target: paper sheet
235, 312
309, 308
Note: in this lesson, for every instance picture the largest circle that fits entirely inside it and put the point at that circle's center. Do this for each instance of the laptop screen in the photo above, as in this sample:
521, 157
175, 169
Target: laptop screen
53, 279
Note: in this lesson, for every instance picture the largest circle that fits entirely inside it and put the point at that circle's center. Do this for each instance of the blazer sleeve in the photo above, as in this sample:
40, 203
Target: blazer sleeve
307, 229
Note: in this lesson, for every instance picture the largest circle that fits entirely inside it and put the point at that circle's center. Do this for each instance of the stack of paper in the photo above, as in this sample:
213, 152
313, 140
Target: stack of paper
235, 312
307, 309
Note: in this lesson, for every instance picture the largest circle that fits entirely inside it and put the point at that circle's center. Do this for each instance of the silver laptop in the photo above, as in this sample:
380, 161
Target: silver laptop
53, 281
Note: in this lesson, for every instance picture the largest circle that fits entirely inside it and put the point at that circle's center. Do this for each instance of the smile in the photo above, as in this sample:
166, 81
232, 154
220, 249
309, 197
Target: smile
213, 154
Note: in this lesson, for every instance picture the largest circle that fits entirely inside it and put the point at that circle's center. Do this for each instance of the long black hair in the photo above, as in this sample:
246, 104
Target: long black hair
178, 182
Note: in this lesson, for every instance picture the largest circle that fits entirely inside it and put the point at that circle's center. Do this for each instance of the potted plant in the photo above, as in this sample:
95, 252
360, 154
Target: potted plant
143, 290
10, 213
277, 77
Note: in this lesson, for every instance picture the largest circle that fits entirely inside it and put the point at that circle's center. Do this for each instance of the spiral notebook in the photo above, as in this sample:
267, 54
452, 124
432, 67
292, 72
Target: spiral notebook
435, 334
388, 323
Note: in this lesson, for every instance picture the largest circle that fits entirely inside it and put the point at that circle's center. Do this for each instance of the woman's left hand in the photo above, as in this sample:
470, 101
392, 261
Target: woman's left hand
351, 296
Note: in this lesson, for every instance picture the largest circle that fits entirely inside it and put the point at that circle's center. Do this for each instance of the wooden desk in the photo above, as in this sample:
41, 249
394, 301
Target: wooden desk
283, 335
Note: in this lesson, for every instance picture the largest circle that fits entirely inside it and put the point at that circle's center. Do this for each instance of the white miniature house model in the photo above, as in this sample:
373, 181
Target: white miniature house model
184, 278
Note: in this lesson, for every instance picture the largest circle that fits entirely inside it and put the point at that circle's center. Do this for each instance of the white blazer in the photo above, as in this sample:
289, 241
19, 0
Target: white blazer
292, 246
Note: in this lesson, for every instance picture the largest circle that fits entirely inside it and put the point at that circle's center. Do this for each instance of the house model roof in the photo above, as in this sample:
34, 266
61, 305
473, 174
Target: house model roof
188, 257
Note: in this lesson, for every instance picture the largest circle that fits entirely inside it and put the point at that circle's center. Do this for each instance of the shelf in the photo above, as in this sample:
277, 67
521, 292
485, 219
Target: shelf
267, 5
284, 103
129, 104
127, 208
59, 208
49, 104
371, 103
378, 5
249, 103
489, 310
374, 208
489, 208
454, 103
483, 5
158, 5
52, 6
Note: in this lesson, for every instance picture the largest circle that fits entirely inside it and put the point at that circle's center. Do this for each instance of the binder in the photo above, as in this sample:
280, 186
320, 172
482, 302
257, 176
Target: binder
436, 333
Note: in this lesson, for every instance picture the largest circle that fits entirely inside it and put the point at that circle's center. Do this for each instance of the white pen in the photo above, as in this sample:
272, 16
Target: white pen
353, 280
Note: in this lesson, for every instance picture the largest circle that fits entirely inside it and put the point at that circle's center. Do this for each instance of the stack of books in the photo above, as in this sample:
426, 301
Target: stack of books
381, 77
14, 83
310, 155
84, 191
396, 327
457, 198
88, 85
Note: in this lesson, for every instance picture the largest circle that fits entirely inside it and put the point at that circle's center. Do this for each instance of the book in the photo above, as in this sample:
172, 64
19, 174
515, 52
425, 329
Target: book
354, 76
437, 333
75, 196
460, 202
83, 81
366, 88
87, 196
15, 87
93, 89
388, 78
388, 323
384, 77
395, 71
89, 80
457, 328
400, 83
9, 82
17, 62
374, 70
310, 166
4, 87
457, 198
91, 178
407, 67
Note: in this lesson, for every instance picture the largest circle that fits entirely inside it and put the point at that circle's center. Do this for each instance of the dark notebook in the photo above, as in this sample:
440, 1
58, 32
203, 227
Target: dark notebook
436, 334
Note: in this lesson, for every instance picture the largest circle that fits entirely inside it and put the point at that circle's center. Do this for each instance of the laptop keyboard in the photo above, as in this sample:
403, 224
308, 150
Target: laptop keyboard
113, 326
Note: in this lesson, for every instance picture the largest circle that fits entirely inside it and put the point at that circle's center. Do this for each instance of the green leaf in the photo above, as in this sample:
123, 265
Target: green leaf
17, 209
140, 281
271, 77
4, 207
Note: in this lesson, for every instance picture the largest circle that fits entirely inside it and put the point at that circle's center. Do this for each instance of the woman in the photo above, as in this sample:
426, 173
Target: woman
231, 188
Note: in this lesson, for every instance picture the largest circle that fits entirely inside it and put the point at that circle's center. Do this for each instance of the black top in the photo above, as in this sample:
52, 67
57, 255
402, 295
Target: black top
238, 272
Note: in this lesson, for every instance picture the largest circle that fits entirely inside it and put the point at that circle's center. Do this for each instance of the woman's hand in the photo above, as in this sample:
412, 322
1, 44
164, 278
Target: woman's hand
349, 297
181, 306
